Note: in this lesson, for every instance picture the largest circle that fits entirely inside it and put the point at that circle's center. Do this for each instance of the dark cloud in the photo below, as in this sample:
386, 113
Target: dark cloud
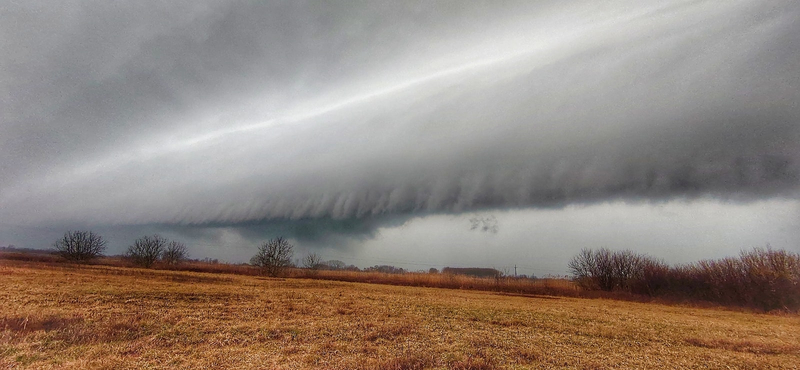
317, 120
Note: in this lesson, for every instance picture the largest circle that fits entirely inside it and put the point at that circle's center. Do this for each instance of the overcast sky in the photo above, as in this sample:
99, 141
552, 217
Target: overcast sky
419, 134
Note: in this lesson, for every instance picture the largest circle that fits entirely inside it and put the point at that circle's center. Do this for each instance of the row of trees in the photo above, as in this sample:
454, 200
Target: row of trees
762, 278
82, 246
146, 250
273, 256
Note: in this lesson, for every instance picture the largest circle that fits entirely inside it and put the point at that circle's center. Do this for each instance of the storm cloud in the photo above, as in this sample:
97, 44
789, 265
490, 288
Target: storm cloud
352, 115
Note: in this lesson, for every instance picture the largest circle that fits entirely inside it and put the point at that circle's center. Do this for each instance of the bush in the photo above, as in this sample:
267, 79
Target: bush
80, 246
174, 253
763, 278
625, 270
273, 256
146, 250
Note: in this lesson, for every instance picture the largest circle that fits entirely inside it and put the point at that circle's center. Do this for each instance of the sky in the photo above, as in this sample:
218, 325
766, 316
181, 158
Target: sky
416, 133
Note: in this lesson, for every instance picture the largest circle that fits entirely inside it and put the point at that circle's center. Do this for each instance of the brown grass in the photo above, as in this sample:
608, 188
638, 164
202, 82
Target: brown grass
546, 286
93, 317
560, 287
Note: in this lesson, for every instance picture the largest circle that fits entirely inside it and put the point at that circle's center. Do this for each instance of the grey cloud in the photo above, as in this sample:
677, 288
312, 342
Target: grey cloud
336, 117
84, 77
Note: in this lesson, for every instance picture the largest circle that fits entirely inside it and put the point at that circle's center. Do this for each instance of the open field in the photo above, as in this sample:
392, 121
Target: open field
547, 286
64, 316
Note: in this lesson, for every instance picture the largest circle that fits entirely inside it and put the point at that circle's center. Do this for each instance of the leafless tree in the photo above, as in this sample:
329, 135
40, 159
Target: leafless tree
312, 261
274, 256
593, 269
80, 246
174, 253
146, 250
625, 270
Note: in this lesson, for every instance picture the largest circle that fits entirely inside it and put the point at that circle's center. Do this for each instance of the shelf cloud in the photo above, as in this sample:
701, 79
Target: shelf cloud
337, 118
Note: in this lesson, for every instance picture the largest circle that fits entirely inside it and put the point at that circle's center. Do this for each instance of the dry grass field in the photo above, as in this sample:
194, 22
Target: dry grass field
84, 317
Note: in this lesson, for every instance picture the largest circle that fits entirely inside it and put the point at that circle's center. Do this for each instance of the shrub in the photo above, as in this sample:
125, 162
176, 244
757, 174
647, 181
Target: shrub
273, 256
763, 278
592, 270
146, 250
80, 246
653, 278
624, 270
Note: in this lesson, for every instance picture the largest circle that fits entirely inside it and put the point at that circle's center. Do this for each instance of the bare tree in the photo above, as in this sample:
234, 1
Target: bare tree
312, 261
146, 250
593, 269
80, 246
273, 256
625, 270
174, 253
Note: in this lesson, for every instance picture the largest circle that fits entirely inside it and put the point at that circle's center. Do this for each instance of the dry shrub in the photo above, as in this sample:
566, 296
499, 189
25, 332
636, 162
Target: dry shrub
762, 278
624, 270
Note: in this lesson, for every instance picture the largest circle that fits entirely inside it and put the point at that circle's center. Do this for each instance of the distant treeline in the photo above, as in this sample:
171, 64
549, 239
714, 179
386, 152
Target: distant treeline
762, 278
473, 271
12, 248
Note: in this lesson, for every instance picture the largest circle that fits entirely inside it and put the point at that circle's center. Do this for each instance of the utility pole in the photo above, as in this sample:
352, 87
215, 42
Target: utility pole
515, 270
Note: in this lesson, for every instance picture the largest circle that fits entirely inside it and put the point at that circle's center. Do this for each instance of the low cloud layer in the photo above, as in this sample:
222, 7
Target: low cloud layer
321, 119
